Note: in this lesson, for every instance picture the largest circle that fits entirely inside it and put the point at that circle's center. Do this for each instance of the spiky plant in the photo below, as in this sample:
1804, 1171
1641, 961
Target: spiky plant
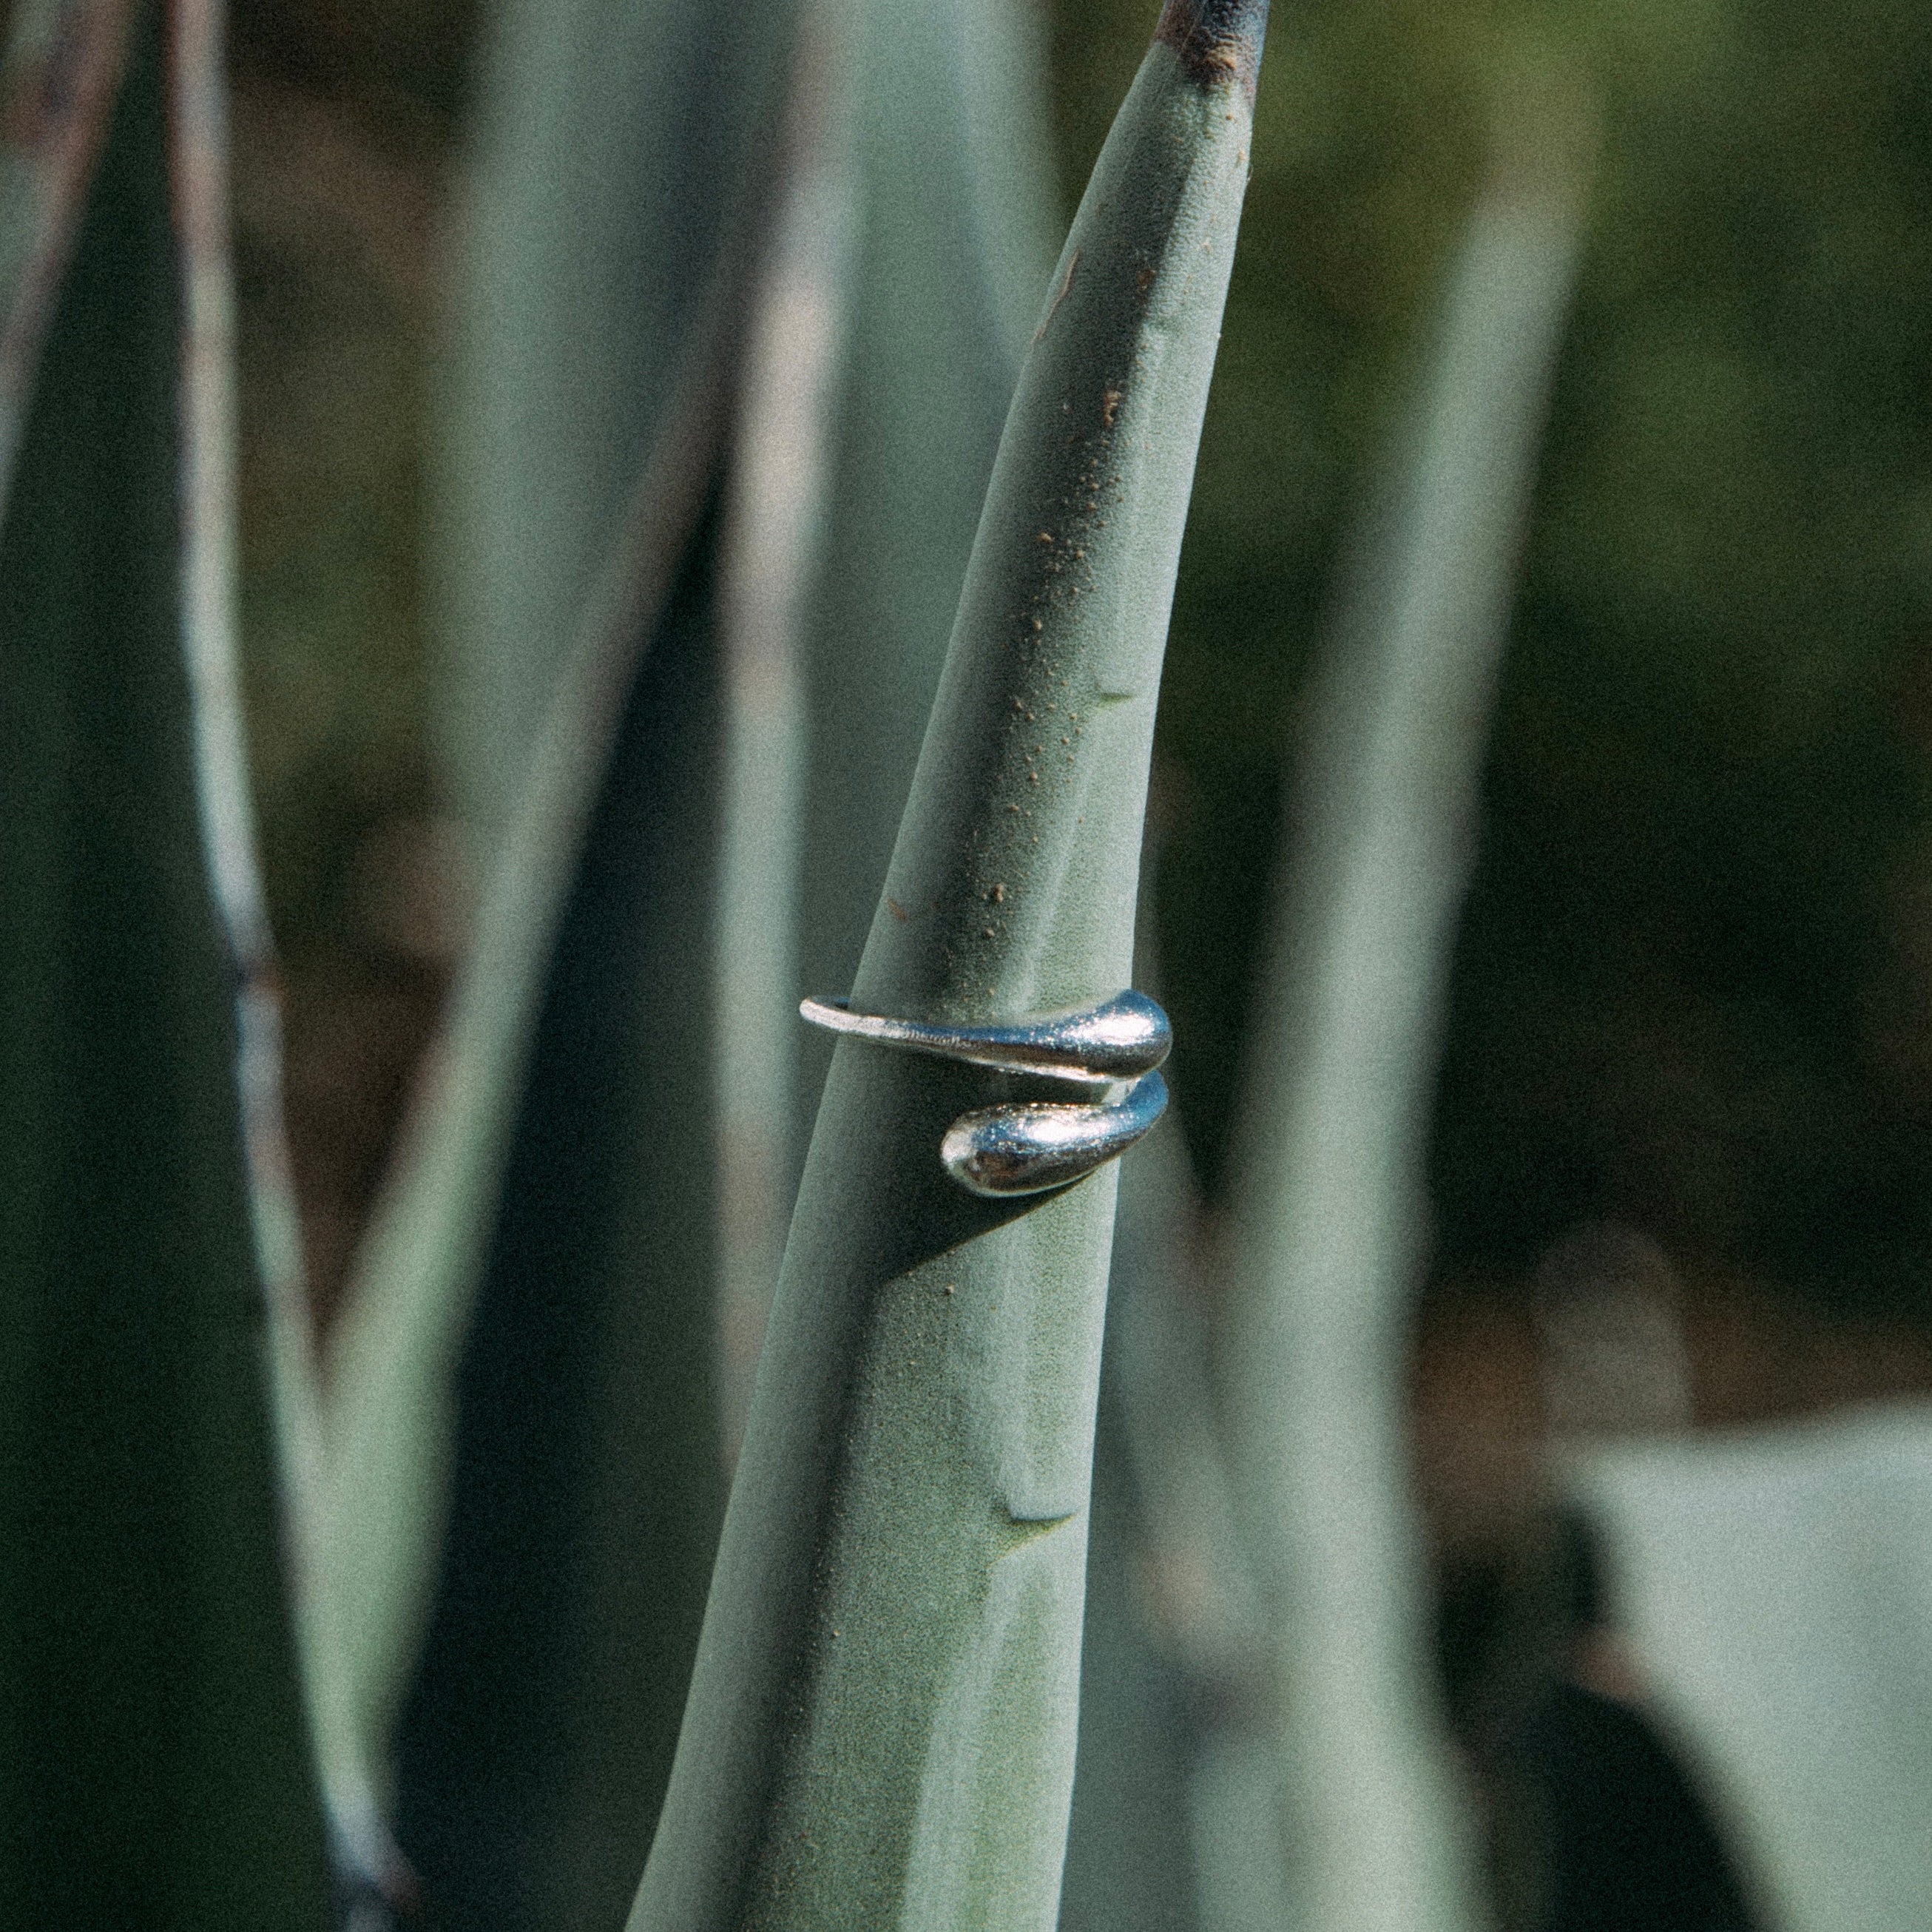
155, 1769
1327, 1189
881, 1727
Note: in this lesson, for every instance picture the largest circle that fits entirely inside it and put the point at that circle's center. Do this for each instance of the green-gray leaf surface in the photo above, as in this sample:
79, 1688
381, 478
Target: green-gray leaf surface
389, 1411
615, 142
155, 1768
881, 1728
1774, 1584
1327, 1192
586, 1485
1129, 1864
523, 1479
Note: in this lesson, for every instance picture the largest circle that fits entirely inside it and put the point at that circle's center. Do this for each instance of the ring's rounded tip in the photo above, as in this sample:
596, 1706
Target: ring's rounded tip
1031, 1147
1126, 1035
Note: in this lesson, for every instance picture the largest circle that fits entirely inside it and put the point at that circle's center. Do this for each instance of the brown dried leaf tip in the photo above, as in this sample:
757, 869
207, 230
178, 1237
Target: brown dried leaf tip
1216, 39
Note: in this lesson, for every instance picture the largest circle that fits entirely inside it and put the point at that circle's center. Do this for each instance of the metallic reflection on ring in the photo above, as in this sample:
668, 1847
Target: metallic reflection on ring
1028, 1147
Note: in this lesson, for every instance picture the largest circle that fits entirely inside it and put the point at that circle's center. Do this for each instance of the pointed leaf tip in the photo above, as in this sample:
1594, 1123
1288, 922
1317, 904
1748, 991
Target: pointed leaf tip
1216, 39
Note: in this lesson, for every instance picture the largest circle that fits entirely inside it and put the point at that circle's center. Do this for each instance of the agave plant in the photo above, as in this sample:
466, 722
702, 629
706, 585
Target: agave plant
158, 1770
880, 1722
461, 1585
1328, 1207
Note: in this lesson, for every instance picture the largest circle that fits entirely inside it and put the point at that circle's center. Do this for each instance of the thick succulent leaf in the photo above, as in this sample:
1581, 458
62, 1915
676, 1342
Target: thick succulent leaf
1327, 1188
1193, 1795
586, 1485
390, 1400
1169, 1648
1775, 1584
950, 248
199, 133
776, 506
1129, 1858
520, 1426
615, 144
155, 1767
881, 1727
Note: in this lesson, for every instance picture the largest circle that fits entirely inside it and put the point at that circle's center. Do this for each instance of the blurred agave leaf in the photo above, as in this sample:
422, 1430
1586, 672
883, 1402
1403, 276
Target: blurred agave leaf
1173, 1801
880, 1731
1327, 1199
1170, 1648
523, 1482
586, 1487
488, 1231
359, 1846
775, 511
933, 229
616, 142
416, 1278
157, 1767
1775, 1582
1129, 1861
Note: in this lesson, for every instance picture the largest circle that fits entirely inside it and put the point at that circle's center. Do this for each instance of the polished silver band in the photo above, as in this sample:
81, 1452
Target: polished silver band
1028, 1146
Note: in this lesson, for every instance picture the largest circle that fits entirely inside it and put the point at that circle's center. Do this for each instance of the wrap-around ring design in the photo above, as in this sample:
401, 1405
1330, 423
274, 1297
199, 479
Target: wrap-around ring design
1026, 1147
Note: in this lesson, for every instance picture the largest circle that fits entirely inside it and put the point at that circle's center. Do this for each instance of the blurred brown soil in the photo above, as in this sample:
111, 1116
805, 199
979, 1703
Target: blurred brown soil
340, 169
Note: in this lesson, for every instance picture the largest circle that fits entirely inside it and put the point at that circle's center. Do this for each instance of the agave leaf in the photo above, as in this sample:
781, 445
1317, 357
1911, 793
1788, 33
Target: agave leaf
391, 1398
521, 1441
586, 1485
949, 250
1327, 1184
881, 1727
200, 132
1191, 1797
1775, 1582
777, 503
615, 144
1169, 1648
158, 1766
1129, 1863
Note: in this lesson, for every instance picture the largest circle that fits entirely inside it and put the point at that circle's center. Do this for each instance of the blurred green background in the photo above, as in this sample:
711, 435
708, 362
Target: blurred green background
1693, 989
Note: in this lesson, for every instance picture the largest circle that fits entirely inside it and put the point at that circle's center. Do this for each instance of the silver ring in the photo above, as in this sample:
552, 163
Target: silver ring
1027, 1146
